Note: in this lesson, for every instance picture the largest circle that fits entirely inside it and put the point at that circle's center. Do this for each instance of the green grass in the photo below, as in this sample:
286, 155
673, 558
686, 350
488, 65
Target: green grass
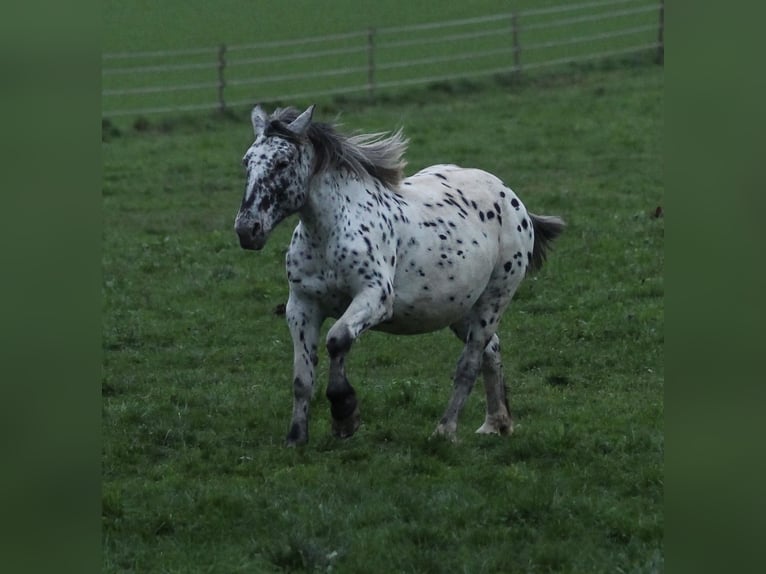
176, 24
338, 64
197, 364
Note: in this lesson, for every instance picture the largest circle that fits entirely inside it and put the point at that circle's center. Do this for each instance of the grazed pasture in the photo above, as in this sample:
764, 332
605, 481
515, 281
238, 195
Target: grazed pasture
197, 359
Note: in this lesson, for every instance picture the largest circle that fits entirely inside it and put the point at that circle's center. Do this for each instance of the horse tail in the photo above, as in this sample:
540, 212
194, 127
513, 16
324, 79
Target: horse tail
547, 228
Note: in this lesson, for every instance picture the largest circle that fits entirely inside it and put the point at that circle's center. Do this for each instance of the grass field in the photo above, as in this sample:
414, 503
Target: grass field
197, 364
176, 24
161, 56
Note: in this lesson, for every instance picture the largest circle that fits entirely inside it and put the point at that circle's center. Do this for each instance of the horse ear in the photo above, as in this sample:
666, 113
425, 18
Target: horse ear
300, 125
259, 119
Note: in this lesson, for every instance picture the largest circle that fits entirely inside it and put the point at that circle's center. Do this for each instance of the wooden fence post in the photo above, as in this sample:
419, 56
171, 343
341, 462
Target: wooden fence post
516, 43
371, 63
221, 79
661, 35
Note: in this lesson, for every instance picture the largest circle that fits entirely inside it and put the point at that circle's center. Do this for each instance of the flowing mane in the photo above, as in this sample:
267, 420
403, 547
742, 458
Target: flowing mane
379, 155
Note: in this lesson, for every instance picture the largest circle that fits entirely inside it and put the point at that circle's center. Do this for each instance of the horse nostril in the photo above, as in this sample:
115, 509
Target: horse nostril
256, 228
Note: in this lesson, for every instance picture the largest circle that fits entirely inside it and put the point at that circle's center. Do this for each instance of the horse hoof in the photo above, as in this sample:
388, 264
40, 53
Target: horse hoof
345, 428
445, 432
294, 443
297, 436
499, 427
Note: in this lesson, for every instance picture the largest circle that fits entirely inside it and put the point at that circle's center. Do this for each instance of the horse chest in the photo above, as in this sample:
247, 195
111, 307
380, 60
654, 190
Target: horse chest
333, 272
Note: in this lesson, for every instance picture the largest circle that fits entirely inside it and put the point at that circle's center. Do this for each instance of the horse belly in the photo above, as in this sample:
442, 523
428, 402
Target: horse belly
423, 317
429, 300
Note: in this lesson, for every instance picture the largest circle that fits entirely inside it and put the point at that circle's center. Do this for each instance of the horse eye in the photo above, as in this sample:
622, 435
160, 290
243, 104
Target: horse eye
281, 164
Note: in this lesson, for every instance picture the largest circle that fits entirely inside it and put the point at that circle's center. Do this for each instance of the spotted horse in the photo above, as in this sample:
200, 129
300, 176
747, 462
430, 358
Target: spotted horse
445, 247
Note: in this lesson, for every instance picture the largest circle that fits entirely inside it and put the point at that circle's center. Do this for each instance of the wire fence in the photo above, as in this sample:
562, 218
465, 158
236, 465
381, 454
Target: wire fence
377, 59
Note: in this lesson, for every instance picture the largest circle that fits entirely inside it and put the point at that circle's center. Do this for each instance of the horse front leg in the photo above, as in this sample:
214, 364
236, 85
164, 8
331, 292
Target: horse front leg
366, 310
304, 320
344, 407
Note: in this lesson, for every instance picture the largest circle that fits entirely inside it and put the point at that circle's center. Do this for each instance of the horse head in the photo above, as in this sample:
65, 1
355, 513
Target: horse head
278, 165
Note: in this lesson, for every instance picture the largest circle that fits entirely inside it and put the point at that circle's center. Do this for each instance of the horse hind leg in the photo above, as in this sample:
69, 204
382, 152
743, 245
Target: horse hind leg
468, 367
481, 354
465, 376
498, 419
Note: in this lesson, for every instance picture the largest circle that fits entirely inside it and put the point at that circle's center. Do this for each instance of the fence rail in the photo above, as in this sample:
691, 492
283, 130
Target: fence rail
229, 76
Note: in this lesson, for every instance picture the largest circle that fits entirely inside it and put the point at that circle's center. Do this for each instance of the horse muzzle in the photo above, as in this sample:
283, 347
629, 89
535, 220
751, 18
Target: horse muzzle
251, 235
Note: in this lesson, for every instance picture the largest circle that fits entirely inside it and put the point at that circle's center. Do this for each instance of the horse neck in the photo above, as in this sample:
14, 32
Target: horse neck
329, 197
